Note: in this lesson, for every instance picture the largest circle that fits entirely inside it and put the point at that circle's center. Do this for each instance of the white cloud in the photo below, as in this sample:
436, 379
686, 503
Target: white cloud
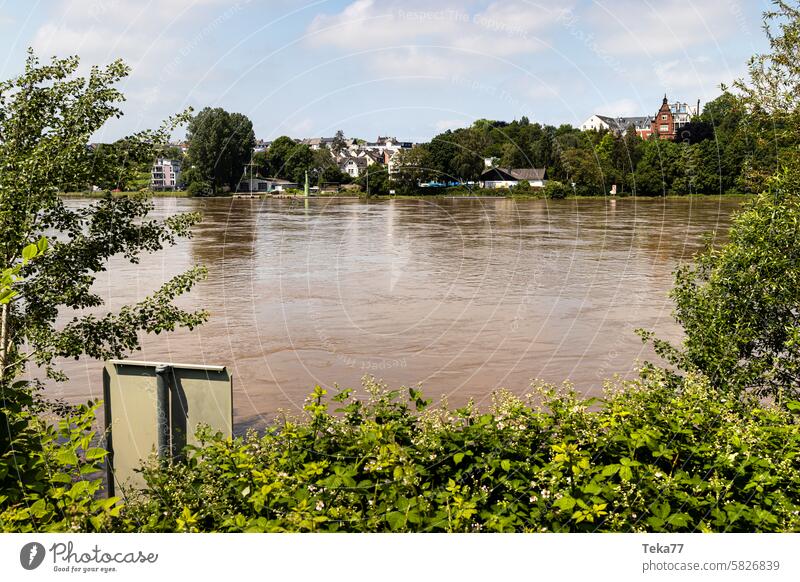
439, 40
445, 124
416, 61
698, 77
147, 35
299, 127
165, 42
629, 27
622, 108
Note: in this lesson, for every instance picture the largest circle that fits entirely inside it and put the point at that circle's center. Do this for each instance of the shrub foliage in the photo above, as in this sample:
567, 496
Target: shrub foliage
653, 455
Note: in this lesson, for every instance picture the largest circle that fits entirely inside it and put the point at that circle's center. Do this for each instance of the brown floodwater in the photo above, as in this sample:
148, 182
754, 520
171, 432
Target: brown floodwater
463, 296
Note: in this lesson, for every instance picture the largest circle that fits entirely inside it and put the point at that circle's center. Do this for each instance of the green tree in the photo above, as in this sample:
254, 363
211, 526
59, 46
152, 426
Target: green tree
442, 150
48, 472
278, 155
584, 172
339, 144
739, 305
467, 164
120, 165
413, 167
220, 145
658, 172
46, 115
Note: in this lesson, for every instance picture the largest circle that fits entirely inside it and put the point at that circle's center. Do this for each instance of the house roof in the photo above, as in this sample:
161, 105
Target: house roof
360, 162
622, 123
278, 181
515, 173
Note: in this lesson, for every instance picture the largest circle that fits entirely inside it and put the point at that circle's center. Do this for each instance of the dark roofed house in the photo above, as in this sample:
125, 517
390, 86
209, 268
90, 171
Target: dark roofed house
619, 125
354, 166
510, 177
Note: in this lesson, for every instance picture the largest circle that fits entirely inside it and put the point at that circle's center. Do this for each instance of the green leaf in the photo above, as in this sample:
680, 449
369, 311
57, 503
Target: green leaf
458, 457
566, 503
95, 453
609, 470
29, 252
505, 464
66, 457
396, 519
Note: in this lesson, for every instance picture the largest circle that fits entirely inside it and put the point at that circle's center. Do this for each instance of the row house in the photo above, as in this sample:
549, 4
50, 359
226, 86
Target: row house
383, 144
318, 143
671, 117
665, 124
354, 164
618, 125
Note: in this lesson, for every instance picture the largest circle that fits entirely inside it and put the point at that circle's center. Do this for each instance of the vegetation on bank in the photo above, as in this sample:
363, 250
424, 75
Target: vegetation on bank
120, 194
657, 455
710, 442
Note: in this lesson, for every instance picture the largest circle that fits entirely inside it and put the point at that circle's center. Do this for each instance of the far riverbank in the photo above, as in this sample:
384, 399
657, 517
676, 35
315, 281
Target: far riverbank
361, 196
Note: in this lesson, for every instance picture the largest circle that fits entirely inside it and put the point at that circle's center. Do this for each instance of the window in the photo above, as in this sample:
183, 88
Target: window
663, 118
664, 127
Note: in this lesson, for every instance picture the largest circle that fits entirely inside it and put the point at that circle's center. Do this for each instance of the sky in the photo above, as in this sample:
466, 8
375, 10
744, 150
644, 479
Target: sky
403, 68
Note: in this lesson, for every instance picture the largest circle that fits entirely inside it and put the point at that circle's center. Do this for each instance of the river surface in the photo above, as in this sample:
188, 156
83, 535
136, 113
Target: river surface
463, 296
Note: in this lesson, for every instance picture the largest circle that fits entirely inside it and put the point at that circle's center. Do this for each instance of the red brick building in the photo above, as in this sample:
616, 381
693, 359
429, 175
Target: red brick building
663, 124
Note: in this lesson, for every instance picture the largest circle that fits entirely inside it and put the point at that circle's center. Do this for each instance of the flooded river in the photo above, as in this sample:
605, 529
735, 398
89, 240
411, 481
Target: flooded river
462, 296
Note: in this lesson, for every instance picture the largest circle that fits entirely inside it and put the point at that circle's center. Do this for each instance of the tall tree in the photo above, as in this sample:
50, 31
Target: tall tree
739, 305
220, 145
338, 145
278, 155
413, 167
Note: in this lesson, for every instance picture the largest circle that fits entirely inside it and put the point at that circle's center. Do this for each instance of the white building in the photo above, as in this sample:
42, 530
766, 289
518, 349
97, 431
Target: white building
510, 177
618, 125
165, 174
682, 113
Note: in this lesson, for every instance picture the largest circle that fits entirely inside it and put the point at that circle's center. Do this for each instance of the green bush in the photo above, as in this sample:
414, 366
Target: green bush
739, 304
654, 455
556, 190
49, 477
199, 188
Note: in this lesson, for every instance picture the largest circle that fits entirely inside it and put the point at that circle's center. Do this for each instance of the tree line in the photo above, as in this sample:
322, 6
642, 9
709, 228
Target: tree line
725, 149
728, 148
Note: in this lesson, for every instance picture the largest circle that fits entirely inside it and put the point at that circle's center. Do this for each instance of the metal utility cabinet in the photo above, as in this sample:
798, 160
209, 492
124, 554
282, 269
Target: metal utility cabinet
151, 407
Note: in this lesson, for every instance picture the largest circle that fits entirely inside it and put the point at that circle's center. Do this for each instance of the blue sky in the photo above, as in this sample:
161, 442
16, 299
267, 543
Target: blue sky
405, 68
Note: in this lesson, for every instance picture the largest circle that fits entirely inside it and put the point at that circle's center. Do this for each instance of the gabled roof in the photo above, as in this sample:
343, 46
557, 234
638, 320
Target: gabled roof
360, 162
622, 123
509, 174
